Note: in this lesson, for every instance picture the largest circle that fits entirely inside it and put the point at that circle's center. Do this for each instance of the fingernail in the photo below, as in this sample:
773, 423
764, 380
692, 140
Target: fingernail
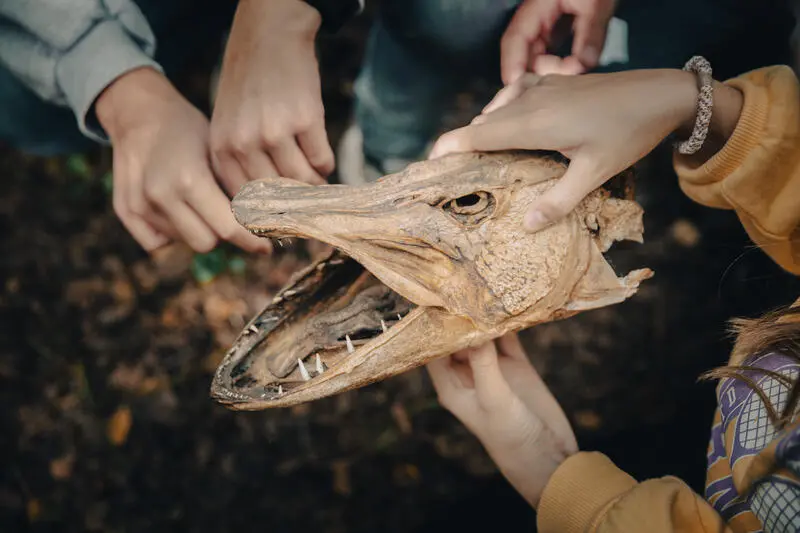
535, 220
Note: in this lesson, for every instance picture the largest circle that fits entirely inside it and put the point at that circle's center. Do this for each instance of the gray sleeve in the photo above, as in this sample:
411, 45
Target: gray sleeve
68, 51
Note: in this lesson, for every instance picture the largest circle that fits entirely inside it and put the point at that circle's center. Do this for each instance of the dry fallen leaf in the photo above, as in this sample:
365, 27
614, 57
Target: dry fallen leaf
119, 425
61, 468
33, 508
341, 478
401, 418
588, 420
685, 233
301, 410
134, 379
406, 474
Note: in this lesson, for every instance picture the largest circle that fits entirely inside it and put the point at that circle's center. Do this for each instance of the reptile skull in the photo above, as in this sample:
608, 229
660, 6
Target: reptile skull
428, 261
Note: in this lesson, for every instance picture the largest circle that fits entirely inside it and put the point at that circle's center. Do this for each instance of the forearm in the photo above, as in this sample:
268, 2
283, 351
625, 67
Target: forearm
132, 98
294, 18
757, 170
69, 51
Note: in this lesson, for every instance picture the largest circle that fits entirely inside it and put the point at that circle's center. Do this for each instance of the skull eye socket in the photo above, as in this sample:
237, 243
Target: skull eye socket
470, 208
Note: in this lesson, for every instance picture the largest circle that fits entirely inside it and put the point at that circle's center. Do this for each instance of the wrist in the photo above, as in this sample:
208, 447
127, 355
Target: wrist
725, 112
683, 91
292, 16
131, 99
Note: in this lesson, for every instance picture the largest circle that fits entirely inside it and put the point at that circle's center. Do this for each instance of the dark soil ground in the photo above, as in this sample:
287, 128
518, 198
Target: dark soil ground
106, 358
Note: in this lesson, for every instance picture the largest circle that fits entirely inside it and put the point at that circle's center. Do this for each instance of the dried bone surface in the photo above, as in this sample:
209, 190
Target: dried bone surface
426, 262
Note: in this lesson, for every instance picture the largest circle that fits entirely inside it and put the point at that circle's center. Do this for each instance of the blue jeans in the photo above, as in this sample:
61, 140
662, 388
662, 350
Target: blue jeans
420, 53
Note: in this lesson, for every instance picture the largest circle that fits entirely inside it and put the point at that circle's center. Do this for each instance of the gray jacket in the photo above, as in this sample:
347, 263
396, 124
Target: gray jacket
68, 51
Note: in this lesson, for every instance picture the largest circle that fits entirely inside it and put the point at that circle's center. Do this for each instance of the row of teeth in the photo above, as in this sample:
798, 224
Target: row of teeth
319, 367
318, 363
350, 349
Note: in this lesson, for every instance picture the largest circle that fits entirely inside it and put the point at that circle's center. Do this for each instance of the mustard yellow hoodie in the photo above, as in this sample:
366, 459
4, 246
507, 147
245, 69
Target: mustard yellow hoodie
752, 482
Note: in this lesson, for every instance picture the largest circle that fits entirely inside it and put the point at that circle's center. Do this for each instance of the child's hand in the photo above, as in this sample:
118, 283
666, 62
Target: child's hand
164, 187
495, 391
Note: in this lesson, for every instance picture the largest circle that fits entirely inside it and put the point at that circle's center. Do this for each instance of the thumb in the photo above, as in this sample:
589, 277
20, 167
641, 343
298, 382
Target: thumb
490, 385
516, 45
580, 179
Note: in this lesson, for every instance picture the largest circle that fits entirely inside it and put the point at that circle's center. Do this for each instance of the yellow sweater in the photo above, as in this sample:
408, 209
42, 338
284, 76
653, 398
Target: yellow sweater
757, 174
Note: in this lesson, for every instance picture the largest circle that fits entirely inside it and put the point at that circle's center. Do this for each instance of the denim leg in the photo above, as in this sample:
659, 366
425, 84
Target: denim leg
31, 125
34, 126
419, 54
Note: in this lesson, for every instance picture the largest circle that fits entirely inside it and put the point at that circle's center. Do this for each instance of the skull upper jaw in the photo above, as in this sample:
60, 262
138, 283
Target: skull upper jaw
465, 289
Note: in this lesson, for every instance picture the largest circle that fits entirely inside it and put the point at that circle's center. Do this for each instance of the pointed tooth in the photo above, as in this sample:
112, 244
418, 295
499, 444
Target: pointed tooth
383, 326
319, 367
399, 317
350, 348
290, 293
280, 242
252, 328
303, 371
280, 389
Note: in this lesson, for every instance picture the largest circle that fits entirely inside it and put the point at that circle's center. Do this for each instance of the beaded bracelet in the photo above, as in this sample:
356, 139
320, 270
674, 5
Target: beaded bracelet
702, 68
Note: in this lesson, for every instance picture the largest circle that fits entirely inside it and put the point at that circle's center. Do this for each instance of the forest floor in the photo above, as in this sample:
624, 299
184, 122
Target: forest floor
106, 357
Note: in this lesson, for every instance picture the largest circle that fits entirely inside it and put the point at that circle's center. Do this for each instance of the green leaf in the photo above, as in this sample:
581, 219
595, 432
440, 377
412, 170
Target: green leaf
206, 267
237, 265
77, 165
108, 182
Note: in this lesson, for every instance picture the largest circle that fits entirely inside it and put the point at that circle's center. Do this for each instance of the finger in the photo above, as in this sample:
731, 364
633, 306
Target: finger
550, 64
191, 227
258, 165
445, 383
581, 178
572, 66
511, 92
590, 34
503, 96
522, 31
538, 47
494, 133
490, 385
534, 392
291, 162
229, 171
470, 138
142, 232
457, 140
509, 345
211, 204
317, 148
142, 210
